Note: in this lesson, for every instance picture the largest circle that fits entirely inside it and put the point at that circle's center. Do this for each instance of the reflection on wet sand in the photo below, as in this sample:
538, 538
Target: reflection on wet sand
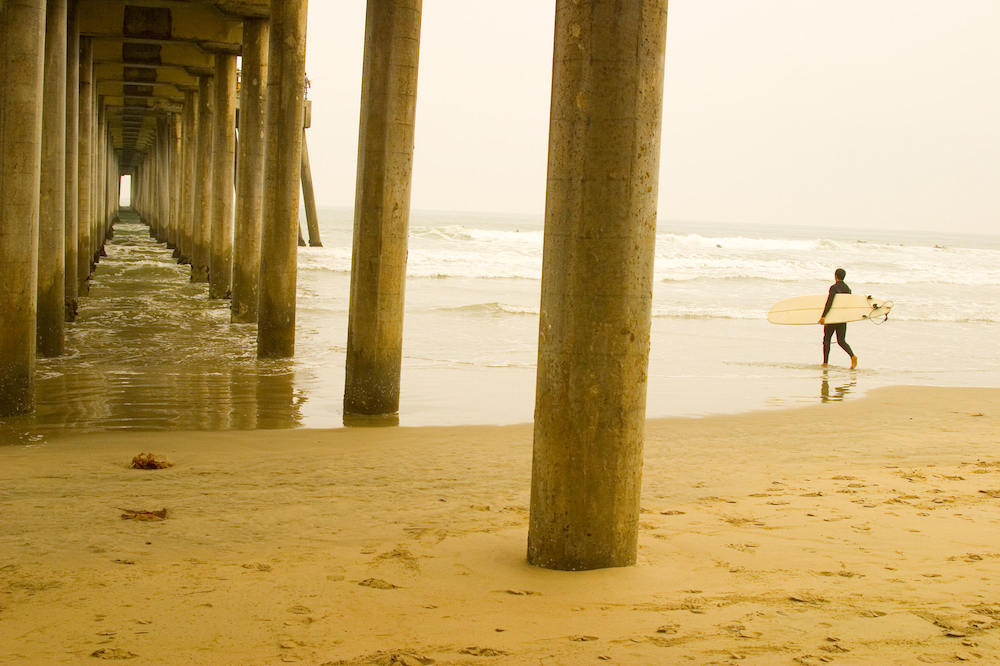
839, 391
150, 351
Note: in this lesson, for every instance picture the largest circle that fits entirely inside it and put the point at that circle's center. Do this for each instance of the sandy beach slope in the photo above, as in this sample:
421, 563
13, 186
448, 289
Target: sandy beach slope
859, 532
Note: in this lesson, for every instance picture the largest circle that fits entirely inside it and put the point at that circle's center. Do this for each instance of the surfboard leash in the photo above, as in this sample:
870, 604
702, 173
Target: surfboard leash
881, 319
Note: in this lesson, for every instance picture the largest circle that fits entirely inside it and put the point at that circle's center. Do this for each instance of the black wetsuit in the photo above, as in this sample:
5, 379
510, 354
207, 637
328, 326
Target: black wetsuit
838, 287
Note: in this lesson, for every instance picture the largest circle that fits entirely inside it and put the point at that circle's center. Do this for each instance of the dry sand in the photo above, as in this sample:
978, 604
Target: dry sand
862, 532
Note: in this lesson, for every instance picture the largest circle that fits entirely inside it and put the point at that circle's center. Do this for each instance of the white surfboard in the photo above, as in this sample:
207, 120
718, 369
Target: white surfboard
845, 308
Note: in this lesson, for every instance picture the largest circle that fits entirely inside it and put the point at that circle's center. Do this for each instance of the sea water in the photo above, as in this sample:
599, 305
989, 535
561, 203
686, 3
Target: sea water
151, 351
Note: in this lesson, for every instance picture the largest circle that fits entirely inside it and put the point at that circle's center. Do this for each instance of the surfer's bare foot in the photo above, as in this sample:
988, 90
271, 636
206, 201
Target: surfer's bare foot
825, 365
854, 362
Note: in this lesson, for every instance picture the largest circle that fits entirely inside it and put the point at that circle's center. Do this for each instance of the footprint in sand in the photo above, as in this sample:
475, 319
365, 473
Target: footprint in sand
377, 584
482, 652
401, 659
263, 568
113, 653
397, 556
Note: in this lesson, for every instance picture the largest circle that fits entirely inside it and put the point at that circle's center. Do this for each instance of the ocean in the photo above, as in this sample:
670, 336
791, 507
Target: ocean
151, 351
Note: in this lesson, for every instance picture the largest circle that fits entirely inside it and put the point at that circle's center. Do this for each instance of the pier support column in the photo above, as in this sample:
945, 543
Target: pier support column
382, 207
101, 221
163, 178
250, 172
22, 50
174, 224
189, 132
97, 192
202, 232
51, 313
86, 173
72, 157
223, 164
282, 159
152, 163
597, 275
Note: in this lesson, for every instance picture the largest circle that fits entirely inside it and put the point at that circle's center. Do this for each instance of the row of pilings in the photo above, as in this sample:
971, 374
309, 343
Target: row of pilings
600, 221
61, 166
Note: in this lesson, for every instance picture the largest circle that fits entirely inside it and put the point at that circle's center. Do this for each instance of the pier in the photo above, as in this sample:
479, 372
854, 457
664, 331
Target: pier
94, 90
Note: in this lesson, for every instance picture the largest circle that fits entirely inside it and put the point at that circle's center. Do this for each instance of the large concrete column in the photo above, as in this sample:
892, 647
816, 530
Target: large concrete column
70, 269
282, 156
86, 172
201, 234
382, 207
188, 167
250, 172
22, 43
597, 275
51, 307
223, 165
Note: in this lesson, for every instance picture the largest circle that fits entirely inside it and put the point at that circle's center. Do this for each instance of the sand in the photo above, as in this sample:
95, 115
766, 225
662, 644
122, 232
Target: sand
858, 532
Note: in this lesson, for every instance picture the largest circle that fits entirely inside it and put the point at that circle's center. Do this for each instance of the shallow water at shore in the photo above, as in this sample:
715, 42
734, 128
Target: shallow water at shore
150, 350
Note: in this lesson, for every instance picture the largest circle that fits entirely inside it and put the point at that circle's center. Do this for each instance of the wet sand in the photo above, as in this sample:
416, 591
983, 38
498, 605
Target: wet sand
856, 532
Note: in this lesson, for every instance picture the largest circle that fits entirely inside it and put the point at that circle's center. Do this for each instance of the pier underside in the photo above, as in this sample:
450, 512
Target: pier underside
94, 90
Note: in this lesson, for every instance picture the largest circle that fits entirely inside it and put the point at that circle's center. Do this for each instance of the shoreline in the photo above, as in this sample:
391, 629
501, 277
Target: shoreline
860, 531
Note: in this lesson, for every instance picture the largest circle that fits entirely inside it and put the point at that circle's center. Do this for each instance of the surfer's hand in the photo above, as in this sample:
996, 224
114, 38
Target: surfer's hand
822, 320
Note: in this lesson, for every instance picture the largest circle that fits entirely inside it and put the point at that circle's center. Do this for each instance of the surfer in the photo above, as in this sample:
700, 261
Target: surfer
838, 287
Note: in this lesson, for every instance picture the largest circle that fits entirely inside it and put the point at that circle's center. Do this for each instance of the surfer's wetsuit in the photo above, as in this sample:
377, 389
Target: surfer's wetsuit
838, 287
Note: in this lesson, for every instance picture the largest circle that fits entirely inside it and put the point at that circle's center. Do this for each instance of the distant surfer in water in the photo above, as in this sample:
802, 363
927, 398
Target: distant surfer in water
838, 287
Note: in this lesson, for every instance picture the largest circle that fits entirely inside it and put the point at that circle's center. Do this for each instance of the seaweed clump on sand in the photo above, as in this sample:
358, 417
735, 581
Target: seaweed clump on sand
139, 514
149, 461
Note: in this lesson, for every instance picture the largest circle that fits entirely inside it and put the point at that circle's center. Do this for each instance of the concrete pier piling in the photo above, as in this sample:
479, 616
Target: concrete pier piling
71, 280
51, 307
203, 181
176, 197
382, 207
223, 167
282, 160
600, 222
163, 145
189, 194
250, 172
22, 44
85, 174
97, 230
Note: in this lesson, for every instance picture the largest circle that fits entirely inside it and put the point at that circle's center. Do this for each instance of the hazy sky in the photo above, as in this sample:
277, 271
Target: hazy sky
859, 113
